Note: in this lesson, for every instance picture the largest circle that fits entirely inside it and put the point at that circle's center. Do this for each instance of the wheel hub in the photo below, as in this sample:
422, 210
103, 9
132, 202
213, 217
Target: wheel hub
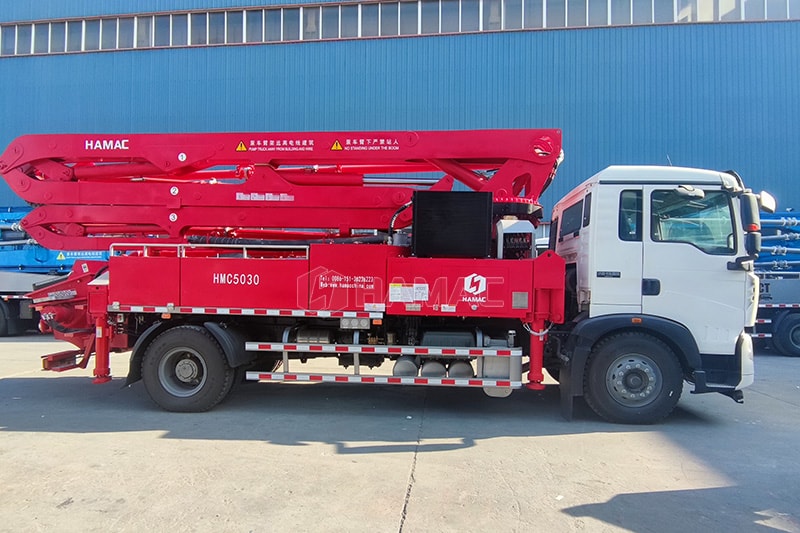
633, 380
636, 379
182, 372
186, 370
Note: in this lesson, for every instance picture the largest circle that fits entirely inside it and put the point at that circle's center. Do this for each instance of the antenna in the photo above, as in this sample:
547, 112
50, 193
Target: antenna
669, 160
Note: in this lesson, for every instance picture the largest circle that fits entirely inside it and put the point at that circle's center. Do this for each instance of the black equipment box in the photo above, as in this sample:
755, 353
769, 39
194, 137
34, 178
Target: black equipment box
452, 224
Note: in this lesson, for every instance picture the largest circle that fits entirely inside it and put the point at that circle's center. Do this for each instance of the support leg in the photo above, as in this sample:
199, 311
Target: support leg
535, 374
102, 371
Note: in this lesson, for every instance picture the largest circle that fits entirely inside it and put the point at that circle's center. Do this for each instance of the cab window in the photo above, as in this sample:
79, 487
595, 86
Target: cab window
571, 220
703, 221
630, 216
587, 209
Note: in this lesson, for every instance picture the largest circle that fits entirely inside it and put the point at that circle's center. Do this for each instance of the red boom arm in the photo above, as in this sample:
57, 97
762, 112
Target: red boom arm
94, 190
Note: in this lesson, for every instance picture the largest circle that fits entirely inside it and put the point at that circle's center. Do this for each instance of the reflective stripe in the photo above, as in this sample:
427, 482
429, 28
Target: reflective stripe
382, 380
117, 308
380, 349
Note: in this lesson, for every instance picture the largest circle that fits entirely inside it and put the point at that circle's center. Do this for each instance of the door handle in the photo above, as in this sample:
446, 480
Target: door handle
651, 287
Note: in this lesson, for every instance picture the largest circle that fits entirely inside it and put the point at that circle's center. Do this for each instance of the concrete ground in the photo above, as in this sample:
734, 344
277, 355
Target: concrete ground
317, 457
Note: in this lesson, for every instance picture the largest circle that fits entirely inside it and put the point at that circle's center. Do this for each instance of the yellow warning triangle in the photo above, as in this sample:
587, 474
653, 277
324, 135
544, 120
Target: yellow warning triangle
60, 256
336, 146
241, 147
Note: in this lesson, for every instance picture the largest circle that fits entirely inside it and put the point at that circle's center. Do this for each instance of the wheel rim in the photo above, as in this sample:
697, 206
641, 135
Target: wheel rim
182, 372
634, 380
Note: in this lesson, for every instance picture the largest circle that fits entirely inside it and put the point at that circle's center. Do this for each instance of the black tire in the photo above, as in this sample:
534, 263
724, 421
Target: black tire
775, 345
184, 369
3, 319
786, 338
632, 378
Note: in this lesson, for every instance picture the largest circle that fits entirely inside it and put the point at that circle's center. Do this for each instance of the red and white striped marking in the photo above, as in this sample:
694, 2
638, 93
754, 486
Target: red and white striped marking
763, 321
380, 380
13, 297
761, 335
779, 306
380, 349
114, 308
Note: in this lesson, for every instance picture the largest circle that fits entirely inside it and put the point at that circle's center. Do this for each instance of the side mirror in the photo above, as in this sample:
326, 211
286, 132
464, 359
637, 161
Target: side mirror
752, 243
766, 202
750, 219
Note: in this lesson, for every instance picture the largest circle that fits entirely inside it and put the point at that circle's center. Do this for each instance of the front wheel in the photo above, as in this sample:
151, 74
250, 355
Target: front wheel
633, 378
184, 369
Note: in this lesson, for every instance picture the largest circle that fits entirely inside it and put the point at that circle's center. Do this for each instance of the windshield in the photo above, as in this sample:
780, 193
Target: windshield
705, 223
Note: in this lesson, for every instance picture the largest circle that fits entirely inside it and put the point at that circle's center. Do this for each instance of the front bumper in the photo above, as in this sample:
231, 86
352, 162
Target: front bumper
727, 374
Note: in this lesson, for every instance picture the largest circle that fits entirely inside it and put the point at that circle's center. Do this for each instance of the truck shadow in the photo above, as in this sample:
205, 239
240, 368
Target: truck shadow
390, 418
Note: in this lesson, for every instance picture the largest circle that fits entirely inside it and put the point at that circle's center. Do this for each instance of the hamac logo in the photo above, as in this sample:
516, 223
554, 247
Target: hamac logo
106, 144
475, 284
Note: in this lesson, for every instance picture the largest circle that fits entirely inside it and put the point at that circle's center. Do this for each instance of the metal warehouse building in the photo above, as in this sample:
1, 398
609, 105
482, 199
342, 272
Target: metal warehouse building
708, 83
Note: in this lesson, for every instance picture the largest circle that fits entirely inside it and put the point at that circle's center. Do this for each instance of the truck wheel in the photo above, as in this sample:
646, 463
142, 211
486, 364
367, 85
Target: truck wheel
787, 336
184, 369
3, 319
633, 378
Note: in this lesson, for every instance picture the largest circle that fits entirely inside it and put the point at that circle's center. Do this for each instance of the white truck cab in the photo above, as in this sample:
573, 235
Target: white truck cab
660, 288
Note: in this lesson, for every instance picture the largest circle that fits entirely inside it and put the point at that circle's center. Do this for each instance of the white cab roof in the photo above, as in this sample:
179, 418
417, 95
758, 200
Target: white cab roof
664, 174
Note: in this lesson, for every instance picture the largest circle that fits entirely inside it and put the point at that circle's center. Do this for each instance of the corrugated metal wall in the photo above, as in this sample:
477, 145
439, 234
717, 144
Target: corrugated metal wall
713, 95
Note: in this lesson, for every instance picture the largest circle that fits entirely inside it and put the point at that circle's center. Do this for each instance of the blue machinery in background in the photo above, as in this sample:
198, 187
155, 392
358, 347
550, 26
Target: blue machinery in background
778, 267
780, 242
19, 253
23, 263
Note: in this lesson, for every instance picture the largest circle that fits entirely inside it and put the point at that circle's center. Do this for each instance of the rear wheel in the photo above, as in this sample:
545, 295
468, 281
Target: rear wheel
633, 378
184, 369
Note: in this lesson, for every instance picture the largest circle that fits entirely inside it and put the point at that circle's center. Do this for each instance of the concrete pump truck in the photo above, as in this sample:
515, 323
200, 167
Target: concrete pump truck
247, 256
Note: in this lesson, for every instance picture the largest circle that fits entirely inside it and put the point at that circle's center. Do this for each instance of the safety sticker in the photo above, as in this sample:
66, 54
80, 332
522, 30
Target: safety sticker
241, 147
408, 292
364, 144
61, 256
337, 146
293, 144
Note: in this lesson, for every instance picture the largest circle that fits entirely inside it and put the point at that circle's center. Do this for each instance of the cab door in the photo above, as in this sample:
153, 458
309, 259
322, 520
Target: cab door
690, 239
615, 265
